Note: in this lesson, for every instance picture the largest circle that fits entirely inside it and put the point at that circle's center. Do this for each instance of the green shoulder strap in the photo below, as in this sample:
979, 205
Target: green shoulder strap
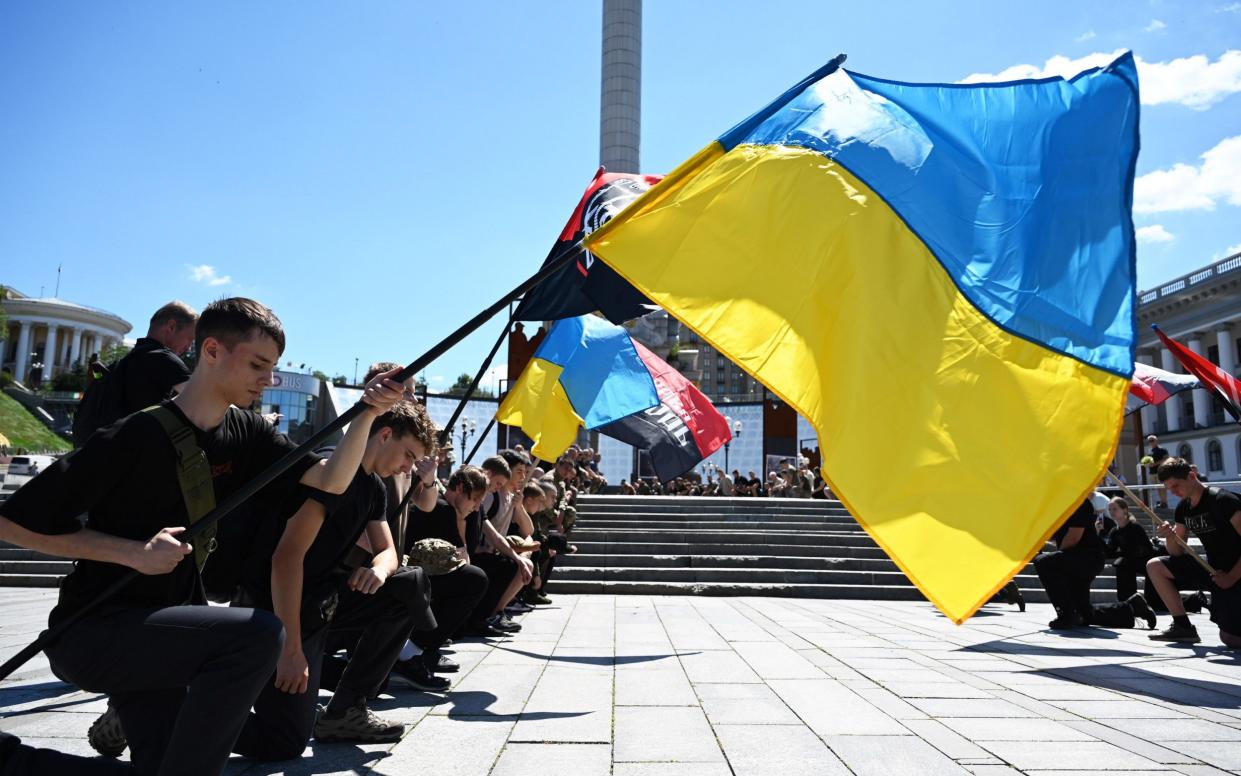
194, 475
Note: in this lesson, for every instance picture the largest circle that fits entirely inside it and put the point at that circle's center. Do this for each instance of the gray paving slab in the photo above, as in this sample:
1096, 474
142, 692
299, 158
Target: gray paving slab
683, 686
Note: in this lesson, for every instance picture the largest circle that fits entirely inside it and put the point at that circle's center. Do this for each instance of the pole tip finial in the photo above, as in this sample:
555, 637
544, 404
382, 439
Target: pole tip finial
1155, 326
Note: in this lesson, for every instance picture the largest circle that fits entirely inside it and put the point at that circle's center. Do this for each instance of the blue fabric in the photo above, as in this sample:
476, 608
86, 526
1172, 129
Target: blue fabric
602, 374
1023, 191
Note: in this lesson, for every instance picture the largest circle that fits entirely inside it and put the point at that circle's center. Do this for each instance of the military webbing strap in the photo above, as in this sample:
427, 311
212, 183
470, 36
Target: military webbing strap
194, 475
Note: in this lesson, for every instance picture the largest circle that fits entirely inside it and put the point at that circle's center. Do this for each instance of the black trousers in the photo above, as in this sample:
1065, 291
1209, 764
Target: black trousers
500, 571
454, 596
373, 628
181, 678
1128, 572
1066, 576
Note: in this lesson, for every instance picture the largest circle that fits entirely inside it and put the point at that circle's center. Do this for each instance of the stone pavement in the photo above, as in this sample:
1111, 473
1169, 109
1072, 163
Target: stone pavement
694, 686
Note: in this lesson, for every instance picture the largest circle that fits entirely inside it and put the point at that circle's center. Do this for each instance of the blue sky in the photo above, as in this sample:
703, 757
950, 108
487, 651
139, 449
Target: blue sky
379, 172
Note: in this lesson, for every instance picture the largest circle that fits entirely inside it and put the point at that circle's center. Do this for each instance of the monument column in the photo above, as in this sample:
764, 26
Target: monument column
22, 358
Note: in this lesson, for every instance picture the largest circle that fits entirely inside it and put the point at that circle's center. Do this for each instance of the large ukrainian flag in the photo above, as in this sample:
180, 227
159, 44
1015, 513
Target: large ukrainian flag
940, 277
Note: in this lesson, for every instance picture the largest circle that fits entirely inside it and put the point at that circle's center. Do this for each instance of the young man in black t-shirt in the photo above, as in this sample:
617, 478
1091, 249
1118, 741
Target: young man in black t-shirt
1214, 516
306, 578
1066, 574
181, 675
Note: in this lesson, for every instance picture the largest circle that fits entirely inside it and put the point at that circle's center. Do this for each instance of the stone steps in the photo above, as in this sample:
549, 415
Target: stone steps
740, 547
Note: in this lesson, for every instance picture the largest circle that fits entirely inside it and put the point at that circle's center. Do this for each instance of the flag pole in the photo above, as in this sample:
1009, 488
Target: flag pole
1159, 521
478, 376
293, 456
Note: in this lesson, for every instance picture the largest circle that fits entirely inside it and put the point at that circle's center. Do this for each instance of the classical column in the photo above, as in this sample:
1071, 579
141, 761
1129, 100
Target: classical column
1150, 413
1202, 399
49, 351
23, 351
75, 350
1227, 348
1172, 406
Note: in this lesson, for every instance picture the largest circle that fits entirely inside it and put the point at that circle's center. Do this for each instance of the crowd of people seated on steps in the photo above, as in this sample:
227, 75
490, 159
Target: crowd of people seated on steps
793, 479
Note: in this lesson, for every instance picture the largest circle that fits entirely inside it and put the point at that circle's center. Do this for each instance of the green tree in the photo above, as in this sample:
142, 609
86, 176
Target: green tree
114, 353
463, 382
321, 376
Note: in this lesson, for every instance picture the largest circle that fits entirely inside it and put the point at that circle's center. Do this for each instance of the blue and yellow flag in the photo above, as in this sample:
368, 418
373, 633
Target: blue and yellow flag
940, 277
586, 372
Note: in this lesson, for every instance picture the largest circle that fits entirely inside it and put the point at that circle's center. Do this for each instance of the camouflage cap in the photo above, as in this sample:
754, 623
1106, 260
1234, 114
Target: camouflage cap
435, 556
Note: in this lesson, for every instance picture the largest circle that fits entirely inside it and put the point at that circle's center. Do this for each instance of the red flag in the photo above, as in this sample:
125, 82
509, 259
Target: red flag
1155, 386
1226, 387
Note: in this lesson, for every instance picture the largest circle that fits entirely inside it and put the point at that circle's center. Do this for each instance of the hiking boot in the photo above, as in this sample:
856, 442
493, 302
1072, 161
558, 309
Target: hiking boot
1141, 609
106, 736
1066, 621
415, 673
357, 725
1178, 633
440, 664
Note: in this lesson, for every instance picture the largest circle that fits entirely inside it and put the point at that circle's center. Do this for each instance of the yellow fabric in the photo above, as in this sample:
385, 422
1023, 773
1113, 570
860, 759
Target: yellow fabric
539, 405
958, 446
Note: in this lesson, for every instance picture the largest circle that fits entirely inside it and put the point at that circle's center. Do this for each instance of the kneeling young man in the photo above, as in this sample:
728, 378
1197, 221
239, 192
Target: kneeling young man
1214, 516
181, 675
325, 605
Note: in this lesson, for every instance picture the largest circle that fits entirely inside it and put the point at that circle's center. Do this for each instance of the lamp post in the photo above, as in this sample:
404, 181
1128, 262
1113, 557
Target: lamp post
468, 427
735, 425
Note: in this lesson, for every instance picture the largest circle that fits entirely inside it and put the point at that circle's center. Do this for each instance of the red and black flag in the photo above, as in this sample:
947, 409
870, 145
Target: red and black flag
587, 285
1225, 386
682, 430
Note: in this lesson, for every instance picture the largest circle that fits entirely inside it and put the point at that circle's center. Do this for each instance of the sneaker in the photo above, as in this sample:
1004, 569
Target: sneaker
442, 665
482, 628
519, 607
503, 624
358, 724
415, 673
106, 736
1178, 633
1141, 609
537, 597
1195, 603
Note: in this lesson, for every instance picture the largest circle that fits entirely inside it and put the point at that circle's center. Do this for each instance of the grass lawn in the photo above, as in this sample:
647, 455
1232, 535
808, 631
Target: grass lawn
25, 430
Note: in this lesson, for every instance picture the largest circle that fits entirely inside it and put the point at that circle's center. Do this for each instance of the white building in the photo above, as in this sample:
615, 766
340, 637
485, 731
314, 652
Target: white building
52, 335
1202, 310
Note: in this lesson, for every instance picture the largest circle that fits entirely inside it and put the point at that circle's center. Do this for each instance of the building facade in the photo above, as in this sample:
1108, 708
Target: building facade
1202, 310
49, 336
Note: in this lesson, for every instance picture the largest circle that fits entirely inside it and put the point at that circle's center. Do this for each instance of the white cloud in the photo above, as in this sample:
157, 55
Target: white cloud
1231, 250
205, 273
1195, 82
1189, 187
1155, 233
436, 379
1155, 26
1230, 8
1085, 36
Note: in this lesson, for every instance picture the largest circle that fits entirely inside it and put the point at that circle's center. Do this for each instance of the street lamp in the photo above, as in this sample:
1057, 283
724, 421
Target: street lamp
468, 427
735, 425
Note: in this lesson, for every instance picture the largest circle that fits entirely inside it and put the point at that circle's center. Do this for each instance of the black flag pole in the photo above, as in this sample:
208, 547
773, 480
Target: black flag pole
293, 456
478, 376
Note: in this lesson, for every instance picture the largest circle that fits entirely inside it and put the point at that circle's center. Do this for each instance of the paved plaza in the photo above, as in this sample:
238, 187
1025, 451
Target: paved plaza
695, 686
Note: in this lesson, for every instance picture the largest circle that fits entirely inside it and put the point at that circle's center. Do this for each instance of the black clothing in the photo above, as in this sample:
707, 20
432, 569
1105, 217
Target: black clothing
1066, 576
454, 596
150, 372
180, 677
1225, 604
500, 570
1090, 545
1211, 521
1158, 455
1131, 547
125, 478
439, 523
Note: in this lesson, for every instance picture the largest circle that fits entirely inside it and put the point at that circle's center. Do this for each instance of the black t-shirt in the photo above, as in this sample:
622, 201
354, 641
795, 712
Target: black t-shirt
151, 371
1083, 518
1158, 454
1130, 541
439, 523
1211, 522
124, 478
345, 520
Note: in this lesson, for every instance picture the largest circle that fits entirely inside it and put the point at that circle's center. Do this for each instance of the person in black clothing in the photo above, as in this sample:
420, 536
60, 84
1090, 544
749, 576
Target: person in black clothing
154, 369
1214, 516
371, 605
182, 675
1129, 546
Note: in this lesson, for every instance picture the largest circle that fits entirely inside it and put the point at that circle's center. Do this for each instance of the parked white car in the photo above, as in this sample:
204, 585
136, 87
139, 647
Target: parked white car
29, 465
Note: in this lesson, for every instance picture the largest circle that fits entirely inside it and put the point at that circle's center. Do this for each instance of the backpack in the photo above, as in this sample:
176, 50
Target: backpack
103, 403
